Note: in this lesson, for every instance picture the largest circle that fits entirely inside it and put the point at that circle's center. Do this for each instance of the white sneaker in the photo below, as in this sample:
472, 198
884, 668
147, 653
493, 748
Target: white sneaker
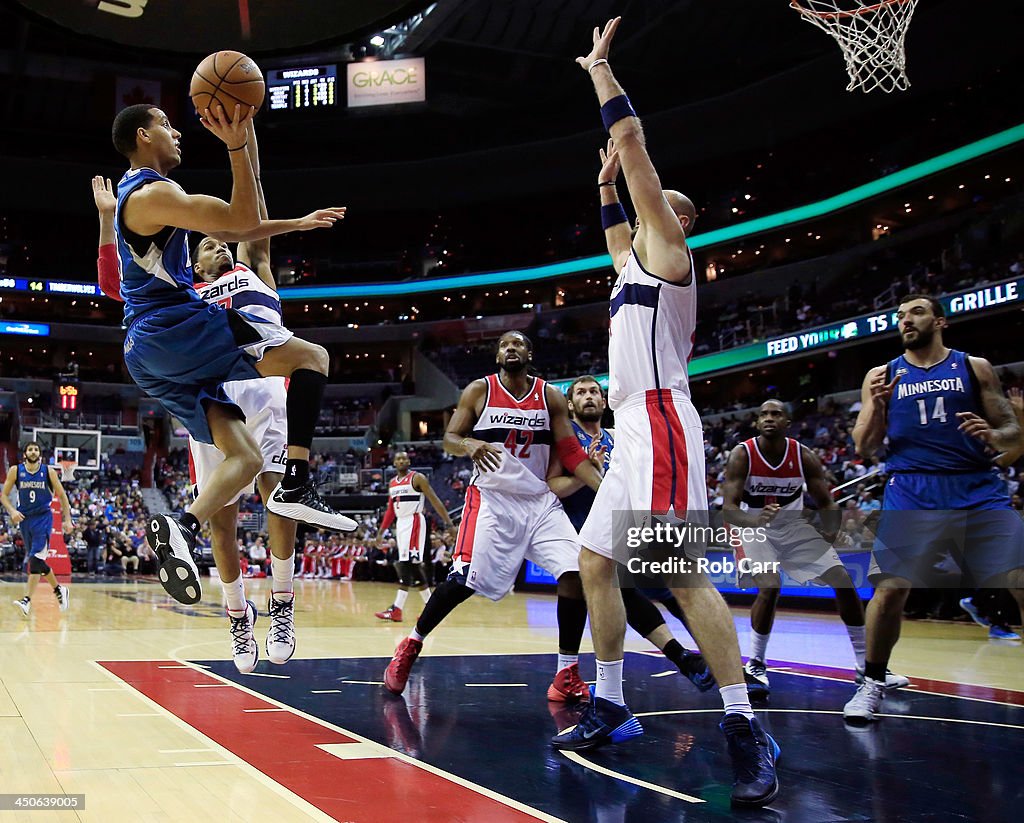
281, 637
305, 505
865, 703
24, 604
174, 545
63, 596
892, 681
244, 649
756, 676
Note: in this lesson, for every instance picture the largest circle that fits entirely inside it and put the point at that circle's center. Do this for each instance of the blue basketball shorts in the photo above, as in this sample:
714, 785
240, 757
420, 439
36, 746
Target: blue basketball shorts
967, 516
35, 531
182, 355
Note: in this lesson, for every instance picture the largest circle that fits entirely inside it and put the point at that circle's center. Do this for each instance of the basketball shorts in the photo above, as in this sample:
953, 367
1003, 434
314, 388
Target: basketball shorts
500, 530
263, 402
967, 516
657, 469
796, 546
182, 355
35, 532
410, 535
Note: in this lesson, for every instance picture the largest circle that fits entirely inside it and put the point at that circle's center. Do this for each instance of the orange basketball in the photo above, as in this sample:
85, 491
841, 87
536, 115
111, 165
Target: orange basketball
229, 78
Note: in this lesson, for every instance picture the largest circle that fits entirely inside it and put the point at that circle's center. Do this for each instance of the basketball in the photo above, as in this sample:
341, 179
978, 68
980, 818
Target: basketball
229, 78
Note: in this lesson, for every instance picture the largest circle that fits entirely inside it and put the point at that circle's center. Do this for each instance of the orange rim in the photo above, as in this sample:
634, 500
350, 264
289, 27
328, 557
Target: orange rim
833, 15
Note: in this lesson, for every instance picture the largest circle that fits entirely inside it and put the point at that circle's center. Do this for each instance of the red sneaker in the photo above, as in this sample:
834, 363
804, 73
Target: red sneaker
396, 675
568, 686
392, 613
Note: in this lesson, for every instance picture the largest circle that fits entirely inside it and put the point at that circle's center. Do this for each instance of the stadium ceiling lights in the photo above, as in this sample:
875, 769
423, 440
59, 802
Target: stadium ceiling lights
799, 214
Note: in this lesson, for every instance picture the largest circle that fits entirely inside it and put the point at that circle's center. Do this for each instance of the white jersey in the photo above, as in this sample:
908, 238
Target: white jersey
241, 288
653, 324
521, 428
782, 485
405, 500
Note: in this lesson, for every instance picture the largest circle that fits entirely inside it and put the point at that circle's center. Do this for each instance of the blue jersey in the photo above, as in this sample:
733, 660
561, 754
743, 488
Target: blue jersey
577, 505
922, 420
34, 492
156, 271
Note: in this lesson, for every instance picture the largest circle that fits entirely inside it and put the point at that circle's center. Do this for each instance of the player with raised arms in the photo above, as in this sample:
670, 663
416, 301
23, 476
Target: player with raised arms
657, 468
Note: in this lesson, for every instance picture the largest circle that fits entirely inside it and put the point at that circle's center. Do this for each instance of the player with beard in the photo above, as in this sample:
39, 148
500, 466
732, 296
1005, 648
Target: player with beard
507, 424
248, 286
946, 419
586, 409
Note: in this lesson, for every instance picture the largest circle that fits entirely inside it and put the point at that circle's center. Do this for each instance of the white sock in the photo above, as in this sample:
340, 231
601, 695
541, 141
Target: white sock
736, 701
234, 593
415, 635
425, 594
566, 660
283, 571
858, 638
400, 598
758, 645
609, 681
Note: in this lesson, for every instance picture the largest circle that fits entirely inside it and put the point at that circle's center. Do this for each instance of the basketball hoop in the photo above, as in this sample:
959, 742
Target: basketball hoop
871, 35
67, 470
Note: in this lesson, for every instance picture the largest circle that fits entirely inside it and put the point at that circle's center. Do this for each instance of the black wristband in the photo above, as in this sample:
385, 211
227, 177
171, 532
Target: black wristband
606, 183
616, 109
239, 148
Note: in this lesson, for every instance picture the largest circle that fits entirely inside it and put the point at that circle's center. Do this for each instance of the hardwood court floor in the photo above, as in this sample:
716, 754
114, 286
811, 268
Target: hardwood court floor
160, 731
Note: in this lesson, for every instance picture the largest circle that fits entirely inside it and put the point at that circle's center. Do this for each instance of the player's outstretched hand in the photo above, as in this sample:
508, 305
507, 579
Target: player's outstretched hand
610, 164
1016, 400
975, 426
485, 456
103, 194
322, 218
602, 42
232, 133
881, 391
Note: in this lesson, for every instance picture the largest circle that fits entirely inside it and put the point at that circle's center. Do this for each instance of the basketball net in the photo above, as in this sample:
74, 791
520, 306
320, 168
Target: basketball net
67, 470
871, 35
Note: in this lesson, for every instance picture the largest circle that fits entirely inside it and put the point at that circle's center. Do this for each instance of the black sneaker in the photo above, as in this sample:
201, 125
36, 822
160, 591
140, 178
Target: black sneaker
177, 570
754, 754
695, 668
755, 675
305, 505
601, 722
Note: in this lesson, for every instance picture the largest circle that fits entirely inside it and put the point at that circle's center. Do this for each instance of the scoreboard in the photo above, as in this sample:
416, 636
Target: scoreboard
309, 87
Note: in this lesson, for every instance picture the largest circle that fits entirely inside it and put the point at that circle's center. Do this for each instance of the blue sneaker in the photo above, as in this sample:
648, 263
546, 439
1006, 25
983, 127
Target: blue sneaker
754, 753
601, 722
967, 604
1002, 633
694, 667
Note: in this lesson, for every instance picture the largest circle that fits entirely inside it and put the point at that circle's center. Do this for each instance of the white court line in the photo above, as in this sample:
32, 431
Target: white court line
666, 674
260, 674
497, 685
185, 751
576, 757
257, 711
325, 691
821, 711
208, 763
419, 764
362, 682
